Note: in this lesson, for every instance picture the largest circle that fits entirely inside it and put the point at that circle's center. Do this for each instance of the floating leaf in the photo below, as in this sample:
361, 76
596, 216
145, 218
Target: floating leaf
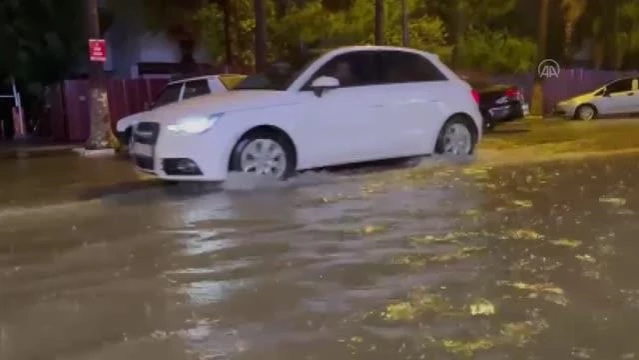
401, 311
521, 333
567, 243
523, 203
482, 307
586, 258
523, 234
373, 229
468, 348
612, 201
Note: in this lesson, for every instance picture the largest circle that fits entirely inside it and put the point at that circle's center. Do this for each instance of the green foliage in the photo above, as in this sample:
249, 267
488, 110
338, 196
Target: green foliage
41, 39
313, 24
496, 52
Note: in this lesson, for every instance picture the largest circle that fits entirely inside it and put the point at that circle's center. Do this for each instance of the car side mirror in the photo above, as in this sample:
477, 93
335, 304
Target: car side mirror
604, 92
324, 83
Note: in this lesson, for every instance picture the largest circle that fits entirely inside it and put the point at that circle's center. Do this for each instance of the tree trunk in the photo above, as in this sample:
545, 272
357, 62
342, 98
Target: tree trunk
405, 35
458, 31
537, 103
228, 41
379, 22
100, 136
260, 35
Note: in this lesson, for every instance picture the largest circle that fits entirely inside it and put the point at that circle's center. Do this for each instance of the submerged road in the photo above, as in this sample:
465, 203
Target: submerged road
526, 252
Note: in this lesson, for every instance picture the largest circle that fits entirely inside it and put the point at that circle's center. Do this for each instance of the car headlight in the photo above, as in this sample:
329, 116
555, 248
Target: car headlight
194, 125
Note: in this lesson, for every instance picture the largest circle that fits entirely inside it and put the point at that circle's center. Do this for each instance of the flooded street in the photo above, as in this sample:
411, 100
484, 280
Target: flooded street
527, 252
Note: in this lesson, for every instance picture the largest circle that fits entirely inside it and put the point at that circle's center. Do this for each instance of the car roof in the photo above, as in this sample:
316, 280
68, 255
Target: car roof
180, 80
347, 49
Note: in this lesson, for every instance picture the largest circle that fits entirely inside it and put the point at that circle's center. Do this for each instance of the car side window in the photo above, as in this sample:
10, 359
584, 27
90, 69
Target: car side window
618, 86
196, 88
358, 68
170, 94
403, 67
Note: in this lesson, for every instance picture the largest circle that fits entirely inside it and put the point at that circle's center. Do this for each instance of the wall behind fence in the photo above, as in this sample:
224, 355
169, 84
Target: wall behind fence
69, 115
126, 96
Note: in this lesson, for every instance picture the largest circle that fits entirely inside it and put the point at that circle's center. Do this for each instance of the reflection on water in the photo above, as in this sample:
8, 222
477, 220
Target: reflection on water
434, 262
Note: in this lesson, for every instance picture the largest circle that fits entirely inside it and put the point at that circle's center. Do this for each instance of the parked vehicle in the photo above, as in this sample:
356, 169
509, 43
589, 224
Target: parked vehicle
614, 98
350, 105
178, 90
499, 103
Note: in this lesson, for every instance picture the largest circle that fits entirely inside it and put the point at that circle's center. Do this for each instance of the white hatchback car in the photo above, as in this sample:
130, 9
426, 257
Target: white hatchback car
614, 98
350, 105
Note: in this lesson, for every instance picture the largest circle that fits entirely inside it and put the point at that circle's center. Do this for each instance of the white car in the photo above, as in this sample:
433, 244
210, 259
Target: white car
617, 97
178, 90
350, 105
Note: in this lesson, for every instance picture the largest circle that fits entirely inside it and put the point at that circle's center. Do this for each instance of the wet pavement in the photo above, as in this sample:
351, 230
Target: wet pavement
527, 252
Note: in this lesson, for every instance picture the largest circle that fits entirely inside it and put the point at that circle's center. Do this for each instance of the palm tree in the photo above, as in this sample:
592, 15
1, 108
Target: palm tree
100, 136
573, 11
379, 22
260, 35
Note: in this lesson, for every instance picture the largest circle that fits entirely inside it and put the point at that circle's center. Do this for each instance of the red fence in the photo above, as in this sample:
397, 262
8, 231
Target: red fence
68, 106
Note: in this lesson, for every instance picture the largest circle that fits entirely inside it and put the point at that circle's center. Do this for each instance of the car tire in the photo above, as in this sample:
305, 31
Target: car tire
250, 141
488, 124
467, 130
586, 112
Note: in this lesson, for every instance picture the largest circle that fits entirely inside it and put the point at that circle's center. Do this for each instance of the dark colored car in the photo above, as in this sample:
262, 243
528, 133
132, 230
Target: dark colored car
499, 103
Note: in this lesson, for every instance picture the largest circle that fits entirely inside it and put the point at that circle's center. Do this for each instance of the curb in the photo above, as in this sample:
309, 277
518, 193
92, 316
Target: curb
34, 152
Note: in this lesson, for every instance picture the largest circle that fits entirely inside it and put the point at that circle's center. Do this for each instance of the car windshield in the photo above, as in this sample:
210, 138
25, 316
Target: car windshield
278, 77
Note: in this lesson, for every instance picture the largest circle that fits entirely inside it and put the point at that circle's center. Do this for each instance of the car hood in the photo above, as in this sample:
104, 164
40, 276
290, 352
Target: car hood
578, 98
127, 121
221, 103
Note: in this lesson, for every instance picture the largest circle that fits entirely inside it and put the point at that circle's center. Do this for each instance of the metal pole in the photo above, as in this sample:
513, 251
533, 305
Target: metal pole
405, 36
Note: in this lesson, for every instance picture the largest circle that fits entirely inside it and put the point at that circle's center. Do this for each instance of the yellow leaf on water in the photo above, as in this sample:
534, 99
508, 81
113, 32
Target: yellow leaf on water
613, 201
482, 307
586, 258
401, 311
567, 243
373, 229
468, 348
523, 203
523, 234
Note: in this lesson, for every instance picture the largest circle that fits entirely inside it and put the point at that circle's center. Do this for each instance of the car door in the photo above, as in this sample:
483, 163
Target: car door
633, 101
617, 99
411, 115
338, 125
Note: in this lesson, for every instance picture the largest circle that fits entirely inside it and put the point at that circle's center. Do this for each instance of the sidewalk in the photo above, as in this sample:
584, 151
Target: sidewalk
34, 147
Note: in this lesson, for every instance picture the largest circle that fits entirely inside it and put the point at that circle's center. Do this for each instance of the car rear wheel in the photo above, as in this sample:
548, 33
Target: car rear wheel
264, 154
586, 112
456, 137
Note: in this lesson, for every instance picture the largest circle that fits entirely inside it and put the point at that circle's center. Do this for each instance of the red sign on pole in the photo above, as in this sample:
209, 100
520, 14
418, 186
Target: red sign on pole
97, 50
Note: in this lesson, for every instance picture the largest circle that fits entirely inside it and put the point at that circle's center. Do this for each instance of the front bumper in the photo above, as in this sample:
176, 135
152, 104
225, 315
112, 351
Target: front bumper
566, 110
173, 157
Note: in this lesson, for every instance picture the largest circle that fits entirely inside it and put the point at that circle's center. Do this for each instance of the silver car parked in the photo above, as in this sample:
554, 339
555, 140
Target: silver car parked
617, 97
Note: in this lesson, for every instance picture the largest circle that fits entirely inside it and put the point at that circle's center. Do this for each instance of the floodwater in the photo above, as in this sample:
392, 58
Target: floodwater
505, 257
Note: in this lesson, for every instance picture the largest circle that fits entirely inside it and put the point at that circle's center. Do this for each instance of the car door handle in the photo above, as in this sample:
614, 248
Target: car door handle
378, 105
630, 93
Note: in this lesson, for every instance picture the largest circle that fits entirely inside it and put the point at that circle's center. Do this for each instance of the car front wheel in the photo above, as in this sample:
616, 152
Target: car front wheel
456, 137
264, 153
586, 112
